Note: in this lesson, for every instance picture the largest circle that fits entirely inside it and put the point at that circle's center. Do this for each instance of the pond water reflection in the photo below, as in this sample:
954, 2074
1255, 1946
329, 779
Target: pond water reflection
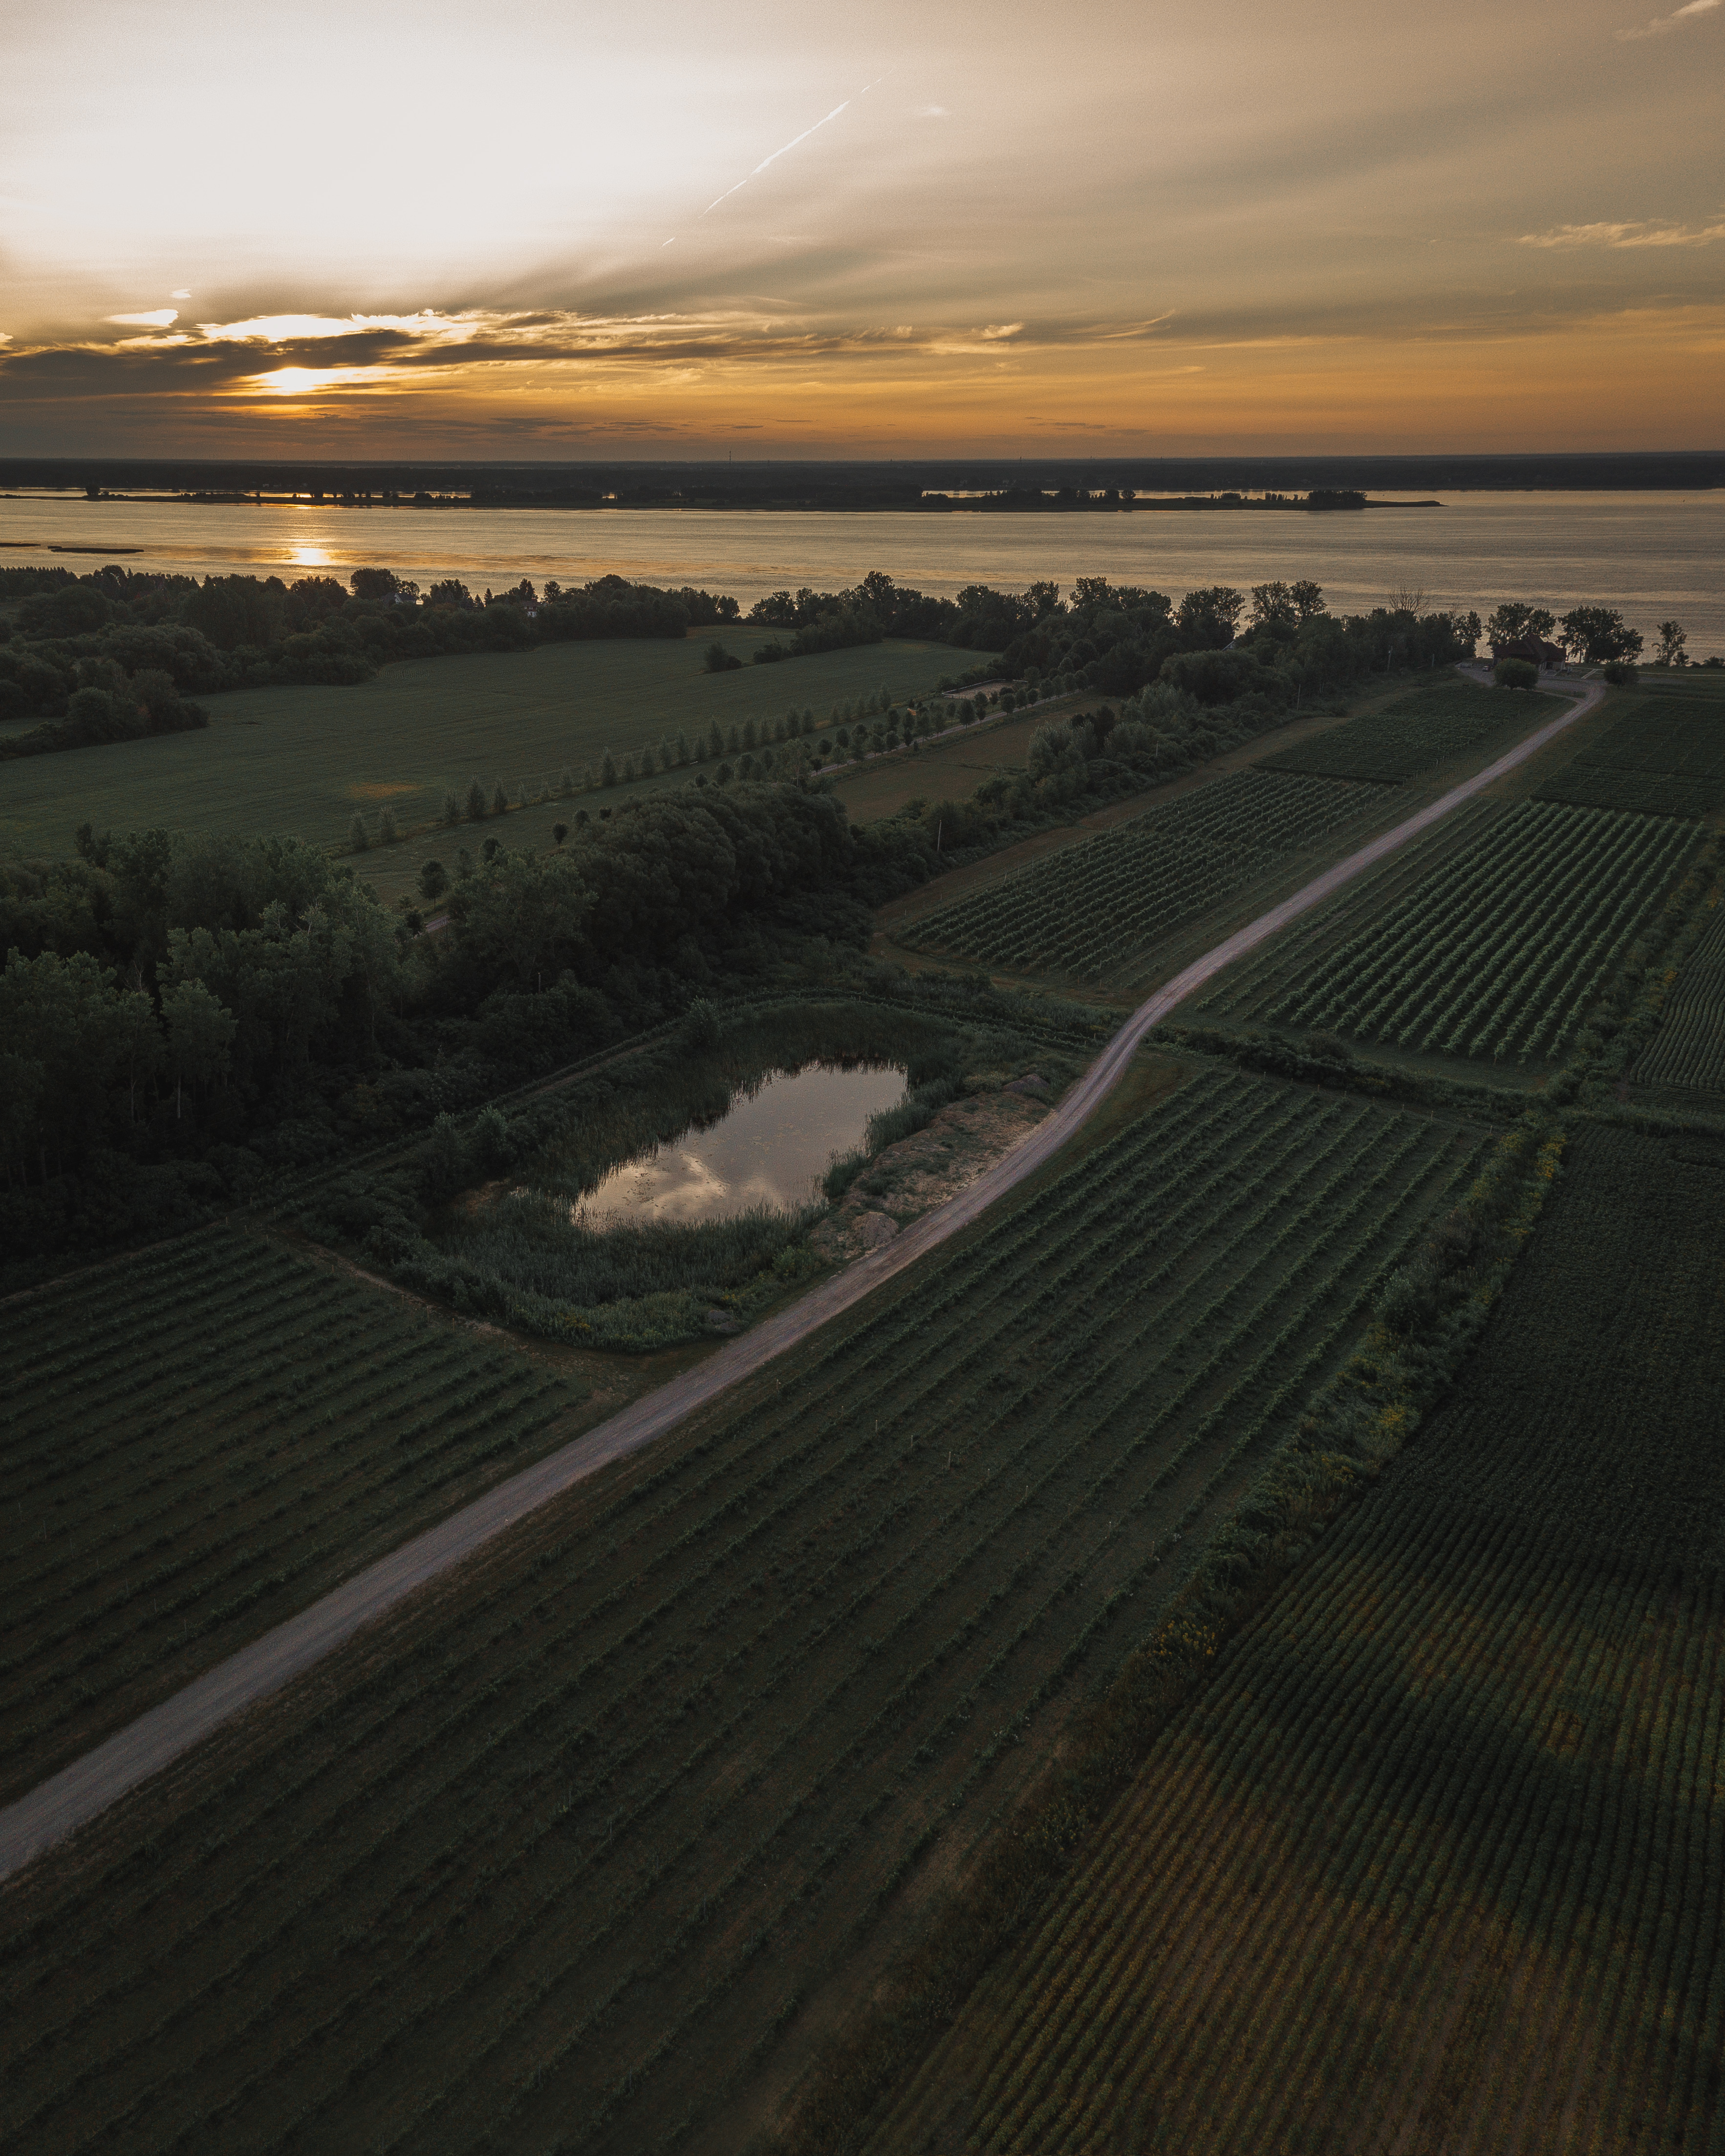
771, 1148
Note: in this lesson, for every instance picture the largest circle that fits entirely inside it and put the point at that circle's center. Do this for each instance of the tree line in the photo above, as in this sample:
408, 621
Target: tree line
146, 643
182, 1015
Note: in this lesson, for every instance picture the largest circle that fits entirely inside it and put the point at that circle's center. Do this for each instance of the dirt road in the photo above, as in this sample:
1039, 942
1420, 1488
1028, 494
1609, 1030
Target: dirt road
65, 1802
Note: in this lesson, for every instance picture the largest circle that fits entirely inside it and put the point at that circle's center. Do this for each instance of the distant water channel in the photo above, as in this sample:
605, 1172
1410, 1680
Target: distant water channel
770, 1148
1649, 554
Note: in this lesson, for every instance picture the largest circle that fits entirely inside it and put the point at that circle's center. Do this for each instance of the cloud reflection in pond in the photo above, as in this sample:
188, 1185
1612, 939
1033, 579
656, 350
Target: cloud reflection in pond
770, 1148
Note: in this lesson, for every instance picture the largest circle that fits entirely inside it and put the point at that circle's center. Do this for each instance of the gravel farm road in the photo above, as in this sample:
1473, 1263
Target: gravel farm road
58, 1806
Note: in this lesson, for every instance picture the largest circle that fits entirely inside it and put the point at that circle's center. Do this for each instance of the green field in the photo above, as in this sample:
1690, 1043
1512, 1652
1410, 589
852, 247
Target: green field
1665, 756
1433, 1864
1414, 735
1085, 911
1689, 1047
198, 1444
550, 1865
1501, 952
303, 761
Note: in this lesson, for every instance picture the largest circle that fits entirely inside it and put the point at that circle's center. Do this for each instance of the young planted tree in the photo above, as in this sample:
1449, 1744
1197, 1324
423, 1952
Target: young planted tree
475, 802
500, 799
386, 833
356, 838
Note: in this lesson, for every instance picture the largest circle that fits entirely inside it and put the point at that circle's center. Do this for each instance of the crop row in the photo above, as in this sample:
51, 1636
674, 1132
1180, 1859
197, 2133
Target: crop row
167, 1501
596, 1816
1653, 737
1083, 910
1455, 1803
1376, 1892
1655, 760
1689, 1047
1501, 952
1408, 736
1287, 962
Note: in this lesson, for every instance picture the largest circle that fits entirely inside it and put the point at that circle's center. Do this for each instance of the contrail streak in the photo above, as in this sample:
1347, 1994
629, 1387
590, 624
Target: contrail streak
776, 155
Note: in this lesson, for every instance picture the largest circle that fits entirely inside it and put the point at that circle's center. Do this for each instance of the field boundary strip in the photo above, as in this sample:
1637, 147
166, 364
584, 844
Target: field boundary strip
58, 1807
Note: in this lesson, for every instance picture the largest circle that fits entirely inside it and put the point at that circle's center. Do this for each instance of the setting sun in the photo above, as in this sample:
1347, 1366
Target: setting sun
298, 381
867, 234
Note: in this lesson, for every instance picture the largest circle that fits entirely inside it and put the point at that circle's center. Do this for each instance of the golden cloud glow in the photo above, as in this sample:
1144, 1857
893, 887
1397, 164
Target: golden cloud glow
1640, 234
670, 227
301, 380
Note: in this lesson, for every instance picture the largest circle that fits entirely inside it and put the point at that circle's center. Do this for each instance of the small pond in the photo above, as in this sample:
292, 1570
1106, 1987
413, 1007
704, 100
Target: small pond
771, 1148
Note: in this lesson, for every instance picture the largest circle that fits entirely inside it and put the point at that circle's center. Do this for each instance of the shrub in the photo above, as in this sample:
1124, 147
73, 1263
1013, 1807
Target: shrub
703, 1028
1515, 674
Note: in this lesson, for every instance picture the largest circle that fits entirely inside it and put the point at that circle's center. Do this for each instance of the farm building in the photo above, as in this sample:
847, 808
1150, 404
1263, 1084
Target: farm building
1540, 649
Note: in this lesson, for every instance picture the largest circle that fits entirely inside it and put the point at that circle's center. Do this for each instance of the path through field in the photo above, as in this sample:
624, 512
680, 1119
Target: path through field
78, 1793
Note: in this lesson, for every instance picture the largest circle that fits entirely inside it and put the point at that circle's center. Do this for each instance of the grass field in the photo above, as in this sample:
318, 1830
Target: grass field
1085, 910
952, 769
303, 761
1502, 951
1415, 734
1689, 1047
1433, 1864
554, 1865
195, 1446
1665, 756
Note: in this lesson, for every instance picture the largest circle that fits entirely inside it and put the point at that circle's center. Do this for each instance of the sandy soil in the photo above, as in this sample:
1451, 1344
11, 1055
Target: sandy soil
906, 1180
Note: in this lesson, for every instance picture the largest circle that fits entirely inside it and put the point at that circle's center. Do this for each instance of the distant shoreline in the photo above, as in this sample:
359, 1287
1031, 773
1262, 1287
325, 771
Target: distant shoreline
937, 505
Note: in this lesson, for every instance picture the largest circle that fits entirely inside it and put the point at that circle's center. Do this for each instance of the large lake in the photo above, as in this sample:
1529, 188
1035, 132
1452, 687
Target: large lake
1652, 555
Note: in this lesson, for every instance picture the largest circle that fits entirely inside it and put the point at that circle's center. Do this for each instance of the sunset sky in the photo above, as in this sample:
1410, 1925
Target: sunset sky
668, 229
